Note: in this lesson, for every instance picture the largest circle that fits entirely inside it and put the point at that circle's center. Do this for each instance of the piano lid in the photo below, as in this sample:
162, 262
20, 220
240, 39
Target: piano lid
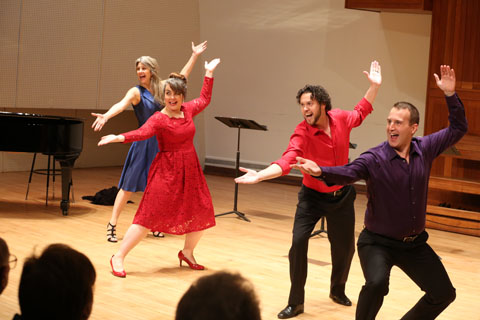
55, 135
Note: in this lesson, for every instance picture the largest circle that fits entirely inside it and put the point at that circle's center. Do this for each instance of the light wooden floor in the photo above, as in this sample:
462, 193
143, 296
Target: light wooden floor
258, 250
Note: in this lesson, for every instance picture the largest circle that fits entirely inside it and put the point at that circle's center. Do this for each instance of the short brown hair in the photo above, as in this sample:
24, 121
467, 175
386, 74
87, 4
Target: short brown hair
58, 284
177, 82
414, 114
222, 295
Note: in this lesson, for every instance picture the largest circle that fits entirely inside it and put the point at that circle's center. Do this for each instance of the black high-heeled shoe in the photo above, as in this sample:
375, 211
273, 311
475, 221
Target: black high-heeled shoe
111, 232
192, 265
158, 234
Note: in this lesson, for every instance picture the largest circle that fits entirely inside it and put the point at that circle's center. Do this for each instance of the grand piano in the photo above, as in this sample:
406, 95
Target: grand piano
61, 137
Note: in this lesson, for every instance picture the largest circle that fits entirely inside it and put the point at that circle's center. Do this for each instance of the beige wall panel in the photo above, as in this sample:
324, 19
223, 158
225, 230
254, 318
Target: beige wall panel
61, 62
9, 26
272, 48
59, 53
161, 29
109, 155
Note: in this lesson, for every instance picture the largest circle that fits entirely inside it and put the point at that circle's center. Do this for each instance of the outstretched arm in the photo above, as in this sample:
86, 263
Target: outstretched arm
131, 98
339, 175
197, 50
252, 176
111, 138
447, 81
375, 78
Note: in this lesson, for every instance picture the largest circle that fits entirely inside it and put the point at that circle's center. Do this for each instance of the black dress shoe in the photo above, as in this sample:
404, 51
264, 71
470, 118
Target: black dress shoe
341, 299
290, 311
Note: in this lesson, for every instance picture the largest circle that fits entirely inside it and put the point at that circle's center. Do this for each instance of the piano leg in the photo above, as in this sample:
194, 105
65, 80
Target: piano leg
67, 166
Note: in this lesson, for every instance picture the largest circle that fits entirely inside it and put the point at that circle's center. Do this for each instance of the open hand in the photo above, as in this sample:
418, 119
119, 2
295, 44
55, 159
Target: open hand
99, 122
307, 166
250, 177
111, 138
375, 74
210, 66
447, 81
198, 49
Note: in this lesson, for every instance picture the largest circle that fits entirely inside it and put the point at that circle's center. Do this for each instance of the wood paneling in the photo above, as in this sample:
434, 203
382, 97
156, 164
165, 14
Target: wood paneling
455, 178
407, 6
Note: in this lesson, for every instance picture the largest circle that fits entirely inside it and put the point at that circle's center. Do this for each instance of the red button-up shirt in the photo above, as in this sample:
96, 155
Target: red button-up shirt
312, 143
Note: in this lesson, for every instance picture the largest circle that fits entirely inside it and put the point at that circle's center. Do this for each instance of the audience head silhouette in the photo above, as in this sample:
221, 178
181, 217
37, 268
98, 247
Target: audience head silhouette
222, 295
4, 264
57, 285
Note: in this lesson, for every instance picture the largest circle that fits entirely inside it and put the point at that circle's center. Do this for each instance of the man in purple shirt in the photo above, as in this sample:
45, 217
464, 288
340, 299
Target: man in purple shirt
397, 173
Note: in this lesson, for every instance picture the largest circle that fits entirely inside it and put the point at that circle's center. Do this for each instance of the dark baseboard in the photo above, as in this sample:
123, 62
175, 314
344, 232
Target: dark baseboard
290, 180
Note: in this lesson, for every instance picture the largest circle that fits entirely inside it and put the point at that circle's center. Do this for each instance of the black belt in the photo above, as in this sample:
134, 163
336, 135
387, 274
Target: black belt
336, 193
404, 239
410, 238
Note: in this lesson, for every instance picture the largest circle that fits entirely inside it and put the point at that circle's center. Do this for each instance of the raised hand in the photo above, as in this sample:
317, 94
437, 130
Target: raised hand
99, 122
210, 66
307, 166
375, 74
198, 49
447, 81
111, 138
250, 177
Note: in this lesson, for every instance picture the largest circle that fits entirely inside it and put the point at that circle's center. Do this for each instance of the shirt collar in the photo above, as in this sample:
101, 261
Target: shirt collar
414, 149
314, 130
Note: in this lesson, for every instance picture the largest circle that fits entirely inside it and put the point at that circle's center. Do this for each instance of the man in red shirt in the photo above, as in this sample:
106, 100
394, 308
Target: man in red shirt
323, 137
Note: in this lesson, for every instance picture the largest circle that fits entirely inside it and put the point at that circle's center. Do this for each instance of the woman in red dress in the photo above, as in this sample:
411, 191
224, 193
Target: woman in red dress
176, 199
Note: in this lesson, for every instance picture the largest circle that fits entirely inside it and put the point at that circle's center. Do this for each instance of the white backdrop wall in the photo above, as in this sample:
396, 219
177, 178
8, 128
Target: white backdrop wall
69, 58
272, 48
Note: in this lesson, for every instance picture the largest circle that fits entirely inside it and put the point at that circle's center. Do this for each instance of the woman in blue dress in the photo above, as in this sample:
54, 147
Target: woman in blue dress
145, 99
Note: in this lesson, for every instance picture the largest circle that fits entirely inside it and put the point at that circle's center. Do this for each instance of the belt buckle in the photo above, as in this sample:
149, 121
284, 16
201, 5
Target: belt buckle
410, 238
337, 192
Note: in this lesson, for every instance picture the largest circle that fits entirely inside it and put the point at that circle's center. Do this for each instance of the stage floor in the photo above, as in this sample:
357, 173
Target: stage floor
257, 249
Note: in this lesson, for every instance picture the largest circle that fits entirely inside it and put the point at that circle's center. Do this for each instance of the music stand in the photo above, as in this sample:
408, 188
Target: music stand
233, 122
322, 222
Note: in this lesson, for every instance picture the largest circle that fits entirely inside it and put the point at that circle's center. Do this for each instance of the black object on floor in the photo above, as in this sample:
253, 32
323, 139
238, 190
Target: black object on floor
105, 197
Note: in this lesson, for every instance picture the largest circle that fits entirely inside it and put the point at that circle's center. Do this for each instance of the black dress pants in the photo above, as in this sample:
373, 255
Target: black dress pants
417, 259
340, 215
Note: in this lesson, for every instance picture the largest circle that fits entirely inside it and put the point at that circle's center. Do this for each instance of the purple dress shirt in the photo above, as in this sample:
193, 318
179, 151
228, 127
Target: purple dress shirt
397, 190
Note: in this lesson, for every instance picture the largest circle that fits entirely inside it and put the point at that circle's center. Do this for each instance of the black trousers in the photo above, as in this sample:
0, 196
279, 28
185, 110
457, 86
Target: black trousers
340, 215
417, 259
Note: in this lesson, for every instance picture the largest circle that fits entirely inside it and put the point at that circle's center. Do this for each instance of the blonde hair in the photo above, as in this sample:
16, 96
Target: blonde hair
152, 64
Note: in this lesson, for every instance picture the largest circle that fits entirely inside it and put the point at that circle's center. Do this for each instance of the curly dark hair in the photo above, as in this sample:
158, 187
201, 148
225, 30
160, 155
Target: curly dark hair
318, 93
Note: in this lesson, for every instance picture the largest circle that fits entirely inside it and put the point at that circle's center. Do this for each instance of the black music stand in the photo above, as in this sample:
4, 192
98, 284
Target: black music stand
322, 221
233, 122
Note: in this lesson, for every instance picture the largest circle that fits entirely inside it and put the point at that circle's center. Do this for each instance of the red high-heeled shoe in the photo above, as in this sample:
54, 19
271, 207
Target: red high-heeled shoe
120, 274
192, 265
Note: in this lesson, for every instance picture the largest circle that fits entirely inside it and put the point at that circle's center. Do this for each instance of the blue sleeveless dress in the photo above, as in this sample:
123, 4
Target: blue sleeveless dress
141, 153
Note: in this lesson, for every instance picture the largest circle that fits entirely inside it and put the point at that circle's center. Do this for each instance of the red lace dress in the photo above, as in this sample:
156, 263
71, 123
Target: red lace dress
176, 199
